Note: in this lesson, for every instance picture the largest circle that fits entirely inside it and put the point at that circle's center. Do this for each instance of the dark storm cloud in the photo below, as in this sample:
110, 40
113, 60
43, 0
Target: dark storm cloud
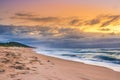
5, 29
44, 19
24, 14
41, 31
35, 18
111, 19
75, 22
71, 33
102, 20
64, 37
31, 35
93, 22
98, 43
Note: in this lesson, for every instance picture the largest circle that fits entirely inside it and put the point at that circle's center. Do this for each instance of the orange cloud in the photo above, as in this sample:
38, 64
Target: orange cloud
99, 24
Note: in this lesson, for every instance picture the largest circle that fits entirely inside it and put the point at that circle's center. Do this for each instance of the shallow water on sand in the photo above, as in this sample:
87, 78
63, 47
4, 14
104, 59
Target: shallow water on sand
107, 57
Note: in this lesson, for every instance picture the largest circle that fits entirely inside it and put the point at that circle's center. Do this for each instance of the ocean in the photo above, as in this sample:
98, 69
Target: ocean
106, 57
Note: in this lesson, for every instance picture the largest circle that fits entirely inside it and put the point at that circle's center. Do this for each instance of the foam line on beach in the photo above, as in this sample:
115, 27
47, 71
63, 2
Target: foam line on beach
115, 67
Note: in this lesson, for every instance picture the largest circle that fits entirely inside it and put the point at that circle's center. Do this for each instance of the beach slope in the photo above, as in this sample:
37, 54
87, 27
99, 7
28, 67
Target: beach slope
18, 63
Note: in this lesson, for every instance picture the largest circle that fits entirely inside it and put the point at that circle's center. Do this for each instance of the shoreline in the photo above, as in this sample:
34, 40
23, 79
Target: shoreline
40, 67
94, 63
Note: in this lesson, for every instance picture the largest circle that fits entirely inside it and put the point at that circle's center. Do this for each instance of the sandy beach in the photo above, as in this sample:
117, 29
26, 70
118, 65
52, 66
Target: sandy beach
24, 64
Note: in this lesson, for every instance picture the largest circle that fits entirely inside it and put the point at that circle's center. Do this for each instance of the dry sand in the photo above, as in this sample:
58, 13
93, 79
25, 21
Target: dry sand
24, 64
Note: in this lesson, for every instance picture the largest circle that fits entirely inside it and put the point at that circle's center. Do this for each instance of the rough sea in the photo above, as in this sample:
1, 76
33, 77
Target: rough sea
106, 57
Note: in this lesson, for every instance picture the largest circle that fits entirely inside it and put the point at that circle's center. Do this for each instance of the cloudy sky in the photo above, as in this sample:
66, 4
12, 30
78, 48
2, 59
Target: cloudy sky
61, 23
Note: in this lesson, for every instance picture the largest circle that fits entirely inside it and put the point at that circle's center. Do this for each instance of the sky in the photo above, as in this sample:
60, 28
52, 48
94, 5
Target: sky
61, 23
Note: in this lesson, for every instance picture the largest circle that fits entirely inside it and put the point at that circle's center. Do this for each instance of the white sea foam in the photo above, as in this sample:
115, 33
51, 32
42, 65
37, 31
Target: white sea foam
88, 58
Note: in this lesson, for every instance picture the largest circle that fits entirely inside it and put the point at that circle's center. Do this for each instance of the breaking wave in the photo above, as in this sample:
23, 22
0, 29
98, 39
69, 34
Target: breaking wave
109, 58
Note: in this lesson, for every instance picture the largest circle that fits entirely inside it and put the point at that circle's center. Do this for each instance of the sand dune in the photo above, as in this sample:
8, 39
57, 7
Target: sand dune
24, 64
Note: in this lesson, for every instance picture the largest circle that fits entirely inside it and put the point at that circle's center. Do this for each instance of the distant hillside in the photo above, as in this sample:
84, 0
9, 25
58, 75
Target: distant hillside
14, 44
